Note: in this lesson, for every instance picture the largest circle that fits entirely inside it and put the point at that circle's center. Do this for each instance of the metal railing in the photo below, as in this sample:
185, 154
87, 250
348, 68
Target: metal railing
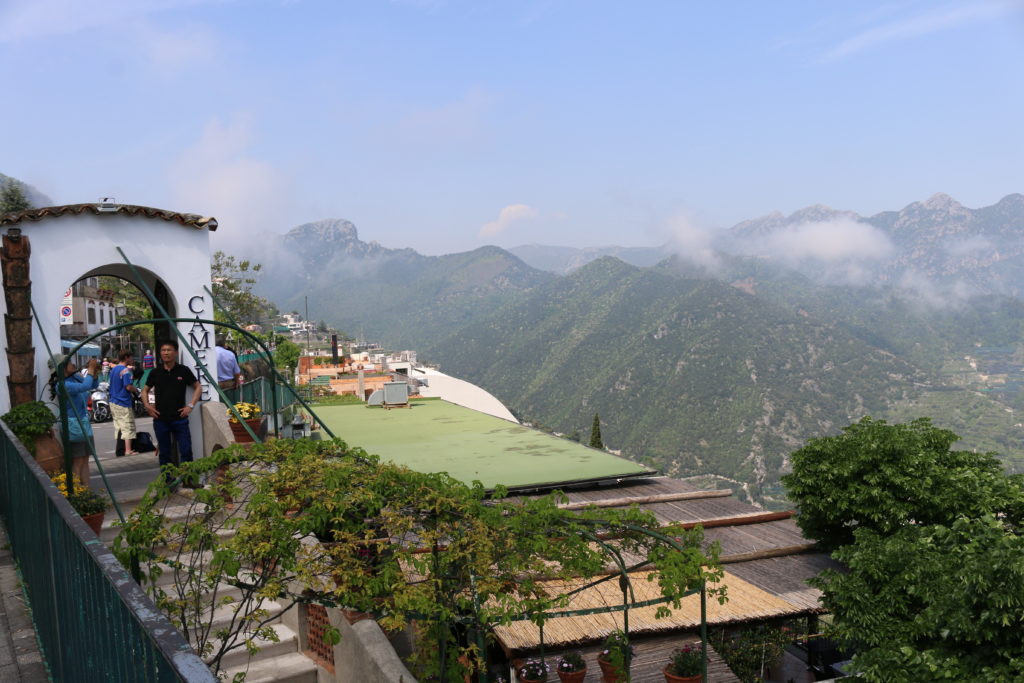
94, 623
258, 391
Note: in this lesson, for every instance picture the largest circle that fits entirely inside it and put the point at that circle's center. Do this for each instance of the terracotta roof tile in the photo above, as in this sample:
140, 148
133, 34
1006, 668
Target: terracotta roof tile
189, 219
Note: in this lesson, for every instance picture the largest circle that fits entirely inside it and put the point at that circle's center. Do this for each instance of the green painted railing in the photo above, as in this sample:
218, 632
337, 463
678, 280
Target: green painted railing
258, 391
94, 623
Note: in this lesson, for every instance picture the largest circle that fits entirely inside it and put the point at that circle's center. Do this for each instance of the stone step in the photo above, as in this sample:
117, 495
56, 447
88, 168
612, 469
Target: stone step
222, 615
290, 668
288, 643
177, 511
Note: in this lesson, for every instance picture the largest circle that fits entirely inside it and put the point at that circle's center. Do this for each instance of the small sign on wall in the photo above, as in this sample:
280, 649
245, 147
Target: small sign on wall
66, 309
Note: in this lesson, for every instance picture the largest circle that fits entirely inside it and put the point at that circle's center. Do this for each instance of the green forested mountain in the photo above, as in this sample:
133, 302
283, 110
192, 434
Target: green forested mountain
395, 295
692, 376
707, 366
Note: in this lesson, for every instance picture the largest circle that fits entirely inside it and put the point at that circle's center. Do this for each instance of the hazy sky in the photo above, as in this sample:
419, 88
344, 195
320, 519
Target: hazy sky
445, 125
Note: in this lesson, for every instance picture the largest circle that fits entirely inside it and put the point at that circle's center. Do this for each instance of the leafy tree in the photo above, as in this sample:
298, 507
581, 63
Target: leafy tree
932, 541
286, 355
595, 434
138, 307
13, 198
884, 477
932, 602
232, 287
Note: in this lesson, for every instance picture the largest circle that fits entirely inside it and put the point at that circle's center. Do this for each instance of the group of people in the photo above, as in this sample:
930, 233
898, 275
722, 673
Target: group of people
170, 395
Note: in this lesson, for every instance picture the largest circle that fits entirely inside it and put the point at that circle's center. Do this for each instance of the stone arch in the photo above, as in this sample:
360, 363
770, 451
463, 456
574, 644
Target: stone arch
153, 281
170, 250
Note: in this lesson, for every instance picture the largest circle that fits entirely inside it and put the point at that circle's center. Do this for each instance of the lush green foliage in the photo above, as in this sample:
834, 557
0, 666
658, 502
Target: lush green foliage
595, 433
751, 651
695, 375
686, 661
29, 420
885, 477
286, 354
617, 651
932, 541
13, 197
571, 661
233, 280
933, 602
394, 542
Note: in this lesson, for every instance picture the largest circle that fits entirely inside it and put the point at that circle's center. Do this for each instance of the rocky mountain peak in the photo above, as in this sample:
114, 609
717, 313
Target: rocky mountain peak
326, 231
819, 213
941, 202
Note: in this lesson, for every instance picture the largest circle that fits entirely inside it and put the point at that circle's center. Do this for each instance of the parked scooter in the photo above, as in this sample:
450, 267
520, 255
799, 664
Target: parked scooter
137, 407
99, 403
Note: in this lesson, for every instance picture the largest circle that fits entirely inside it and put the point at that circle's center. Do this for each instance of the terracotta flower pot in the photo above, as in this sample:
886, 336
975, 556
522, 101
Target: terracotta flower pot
49, 453
242, 436
95, 522
611, 674
572, 676
672, 678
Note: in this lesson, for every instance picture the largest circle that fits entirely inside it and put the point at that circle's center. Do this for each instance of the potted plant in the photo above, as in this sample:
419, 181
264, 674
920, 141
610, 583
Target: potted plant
32, 422
533, 671
571, 668
685, 665
252, 415
89, 505
615, 657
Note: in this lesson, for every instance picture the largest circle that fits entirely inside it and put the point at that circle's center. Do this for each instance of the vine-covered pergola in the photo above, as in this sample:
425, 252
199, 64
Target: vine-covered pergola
319, 521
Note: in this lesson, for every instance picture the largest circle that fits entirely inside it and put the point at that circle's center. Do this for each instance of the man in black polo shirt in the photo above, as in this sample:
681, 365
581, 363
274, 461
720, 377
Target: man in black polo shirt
171, 382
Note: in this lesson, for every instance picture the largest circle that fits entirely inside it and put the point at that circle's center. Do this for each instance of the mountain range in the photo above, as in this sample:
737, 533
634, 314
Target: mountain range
713, 360
936, 249
712, 363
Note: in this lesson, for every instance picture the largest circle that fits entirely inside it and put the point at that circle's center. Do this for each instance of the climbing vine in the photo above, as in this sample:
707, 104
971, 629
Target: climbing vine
287, 520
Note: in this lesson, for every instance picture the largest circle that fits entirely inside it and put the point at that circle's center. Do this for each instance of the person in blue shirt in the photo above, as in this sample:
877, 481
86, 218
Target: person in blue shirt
229, 373
78, 388
122, 394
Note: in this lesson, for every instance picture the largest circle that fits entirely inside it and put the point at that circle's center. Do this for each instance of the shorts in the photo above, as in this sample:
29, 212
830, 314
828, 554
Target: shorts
124, 421
78, 449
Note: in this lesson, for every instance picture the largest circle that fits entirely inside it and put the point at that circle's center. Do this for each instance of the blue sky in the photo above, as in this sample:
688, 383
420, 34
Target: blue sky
447, 125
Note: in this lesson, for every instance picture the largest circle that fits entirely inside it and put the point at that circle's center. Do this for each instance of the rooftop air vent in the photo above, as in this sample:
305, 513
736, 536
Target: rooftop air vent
107, 205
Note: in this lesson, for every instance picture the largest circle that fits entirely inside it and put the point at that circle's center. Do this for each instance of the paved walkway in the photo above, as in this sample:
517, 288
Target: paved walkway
20, 659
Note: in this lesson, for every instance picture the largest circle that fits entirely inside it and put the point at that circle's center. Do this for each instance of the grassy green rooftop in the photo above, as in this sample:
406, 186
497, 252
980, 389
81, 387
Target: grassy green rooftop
437, 436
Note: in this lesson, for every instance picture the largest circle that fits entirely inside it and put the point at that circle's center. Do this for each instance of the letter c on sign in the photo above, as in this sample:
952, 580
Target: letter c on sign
192, 304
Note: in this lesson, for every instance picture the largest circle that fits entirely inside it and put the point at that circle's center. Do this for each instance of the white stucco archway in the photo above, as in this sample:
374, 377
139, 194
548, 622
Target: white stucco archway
75, 241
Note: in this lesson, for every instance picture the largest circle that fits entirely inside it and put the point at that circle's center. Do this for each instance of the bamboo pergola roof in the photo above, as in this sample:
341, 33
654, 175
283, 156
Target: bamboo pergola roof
746, 602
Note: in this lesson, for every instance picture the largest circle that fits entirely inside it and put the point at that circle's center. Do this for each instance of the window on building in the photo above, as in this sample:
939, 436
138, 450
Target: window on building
103, 315
92, 315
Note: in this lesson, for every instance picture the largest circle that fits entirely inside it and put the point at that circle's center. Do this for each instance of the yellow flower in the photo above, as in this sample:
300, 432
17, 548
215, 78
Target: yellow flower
248, 411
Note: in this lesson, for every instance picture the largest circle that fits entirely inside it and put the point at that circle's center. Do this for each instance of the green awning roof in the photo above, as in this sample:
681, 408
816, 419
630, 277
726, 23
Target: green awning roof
437, 436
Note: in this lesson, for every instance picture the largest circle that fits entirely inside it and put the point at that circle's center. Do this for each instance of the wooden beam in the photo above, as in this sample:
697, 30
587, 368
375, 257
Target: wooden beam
643, 500
770, 552
736, 520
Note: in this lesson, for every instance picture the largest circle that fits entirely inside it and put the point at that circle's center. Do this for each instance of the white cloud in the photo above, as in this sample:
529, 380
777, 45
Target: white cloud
932, 21
218, 176
918, 288
513, 213
831, 242
693, 242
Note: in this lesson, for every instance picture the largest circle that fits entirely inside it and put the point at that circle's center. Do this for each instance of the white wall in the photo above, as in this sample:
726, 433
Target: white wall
67, 248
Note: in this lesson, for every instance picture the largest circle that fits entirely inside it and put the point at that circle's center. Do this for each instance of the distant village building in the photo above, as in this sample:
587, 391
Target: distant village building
85, 310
